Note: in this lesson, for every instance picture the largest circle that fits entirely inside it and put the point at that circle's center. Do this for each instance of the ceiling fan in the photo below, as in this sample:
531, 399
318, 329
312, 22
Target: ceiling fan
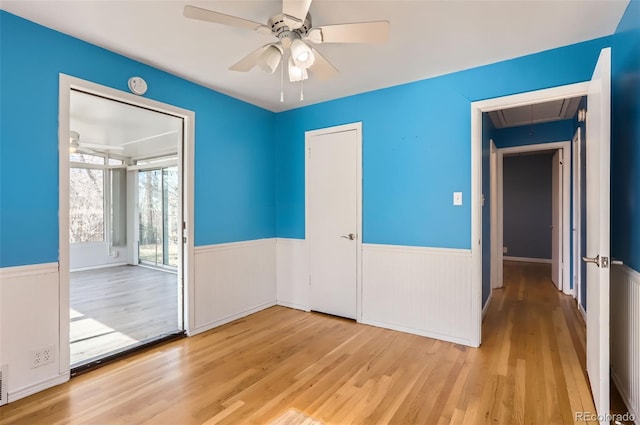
75, 145
293, 30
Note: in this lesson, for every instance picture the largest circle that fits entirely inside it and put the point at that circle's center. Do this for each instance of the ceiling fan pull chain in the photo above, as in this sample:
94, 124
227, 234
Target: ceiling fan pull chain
301, 90
282, 80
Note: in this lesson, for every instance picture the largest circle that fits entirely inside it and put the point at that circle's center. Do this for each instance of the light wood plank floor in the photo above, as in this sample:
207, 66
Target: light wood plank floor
115, 308
529, 370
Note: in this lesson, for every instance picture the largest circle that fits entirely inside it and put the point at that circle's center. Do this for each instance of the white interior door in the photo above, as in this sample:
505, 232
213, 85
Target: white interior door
332, 221
598, 189
556, 219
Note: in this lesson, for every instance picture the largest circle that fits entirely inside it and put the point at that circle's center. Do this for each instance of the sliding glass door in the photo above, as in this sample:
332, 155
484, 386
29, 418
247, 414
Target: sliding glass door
158, 205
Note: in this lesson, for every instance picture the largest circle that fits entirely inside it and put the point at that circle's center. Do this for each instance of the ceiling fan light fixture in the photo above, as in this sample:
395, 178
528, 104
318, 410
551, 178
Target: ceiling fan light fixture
270, 59
296, 73
302, 54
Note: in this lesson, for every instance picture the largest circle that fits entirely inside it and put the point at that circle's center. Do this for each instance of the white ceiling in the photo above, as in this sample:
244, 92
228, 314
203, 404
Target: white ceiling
139, 131
428, 38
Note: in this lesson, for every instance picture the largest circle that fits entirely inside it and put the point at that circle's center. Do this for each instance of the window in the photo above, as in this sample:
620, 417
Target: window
86, 205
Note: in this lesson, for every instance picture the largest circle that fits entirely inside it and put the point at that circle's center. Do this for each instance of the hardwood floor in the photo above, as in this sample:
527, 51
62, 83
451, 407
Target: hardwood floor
115, 308
529, 370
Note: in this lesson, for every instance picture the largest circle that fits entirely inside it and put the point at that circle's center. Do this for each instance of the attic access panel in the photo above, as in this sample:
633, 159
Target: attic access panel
556, 110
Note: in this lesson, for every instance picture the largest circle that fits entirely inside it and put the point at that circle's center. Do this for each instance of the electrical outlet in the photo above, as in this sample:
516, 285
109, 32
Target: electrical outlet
43, 356
505, 250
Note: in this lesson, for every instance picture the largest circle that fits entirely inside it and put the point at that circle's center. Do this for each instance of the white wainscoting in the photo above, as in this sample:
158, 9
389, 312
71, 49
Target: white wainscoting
625, 335
233, 280
425, 291
292, 272
29, 304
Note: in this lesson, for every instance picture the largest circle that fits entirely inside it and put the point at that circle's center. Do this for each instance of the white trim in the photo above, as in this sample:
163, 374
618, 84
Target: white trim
153, 165
529, 260
583, 313
229, 318
101, 266
203, 249
40, 386
357, 126
486, 305
496, 248
434, 335
476, 109
624, 396
577, 212
186, 171
295, 306
420, 249
28, 270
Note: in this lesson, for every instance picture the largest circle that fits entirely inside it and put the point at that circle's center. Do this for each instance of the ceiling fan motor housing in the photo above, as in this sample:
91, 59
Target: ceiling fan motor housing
286, 35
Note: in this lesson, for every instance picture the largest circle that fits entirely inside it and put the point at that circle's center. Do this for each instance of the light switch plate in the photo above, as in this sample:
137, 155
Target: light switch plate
457, 198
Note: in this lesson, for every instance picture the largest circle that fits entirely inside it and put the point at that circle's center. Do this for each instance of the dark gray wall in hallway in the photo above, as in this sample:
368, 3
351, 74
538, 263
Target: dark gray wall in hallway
527, 205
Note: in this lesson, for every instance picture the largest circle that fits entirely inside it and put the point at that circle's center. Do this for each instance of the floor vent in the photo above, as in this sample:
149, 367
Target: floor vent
3, 384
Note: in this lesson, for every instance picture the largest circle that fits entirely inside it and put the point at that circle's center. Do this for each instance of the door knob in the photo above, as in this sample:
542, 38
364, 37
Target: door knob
602, 262
350, 236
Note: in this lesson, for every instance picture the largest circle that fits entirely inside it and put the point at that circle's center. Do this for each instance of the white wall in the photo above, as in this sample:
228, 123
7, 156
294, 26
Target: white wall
425, 291
88, 255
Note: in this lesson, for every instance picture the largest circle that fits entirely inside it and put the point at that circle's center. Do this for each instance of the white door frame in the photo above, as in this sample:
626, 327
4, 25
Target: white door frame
477, 108
357, 126
496, 230
185, 160
577, 210
565, 202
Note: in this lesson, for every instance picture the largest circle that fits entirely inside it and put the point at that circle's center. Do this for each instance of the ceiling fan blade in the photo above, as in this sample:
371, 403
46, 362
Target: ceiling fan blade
248, 62
322, 68
295, 12
101, 146
362, 32
194, 12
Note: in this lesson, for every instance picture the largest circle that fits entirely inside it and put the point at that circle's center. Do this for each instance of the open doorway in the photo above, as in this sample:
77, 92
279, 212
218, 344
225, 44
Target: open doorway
530, 173
125, 234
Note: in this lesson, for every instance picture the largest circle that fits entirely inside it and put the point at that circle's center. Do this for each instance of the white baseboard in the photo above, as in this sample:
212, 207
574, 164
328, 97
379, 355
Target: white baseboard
433, 335
230, 318
625, 396
40, 386
101, 266
528, 260
486, 305
582, 312
294, 305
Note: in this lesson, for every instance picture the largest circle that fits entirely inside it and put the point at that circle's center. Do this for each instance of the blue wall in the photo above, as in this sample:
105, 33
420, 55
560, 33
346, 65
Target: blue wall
625, 139
556, 131
527, 205
234, 152
416, 146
